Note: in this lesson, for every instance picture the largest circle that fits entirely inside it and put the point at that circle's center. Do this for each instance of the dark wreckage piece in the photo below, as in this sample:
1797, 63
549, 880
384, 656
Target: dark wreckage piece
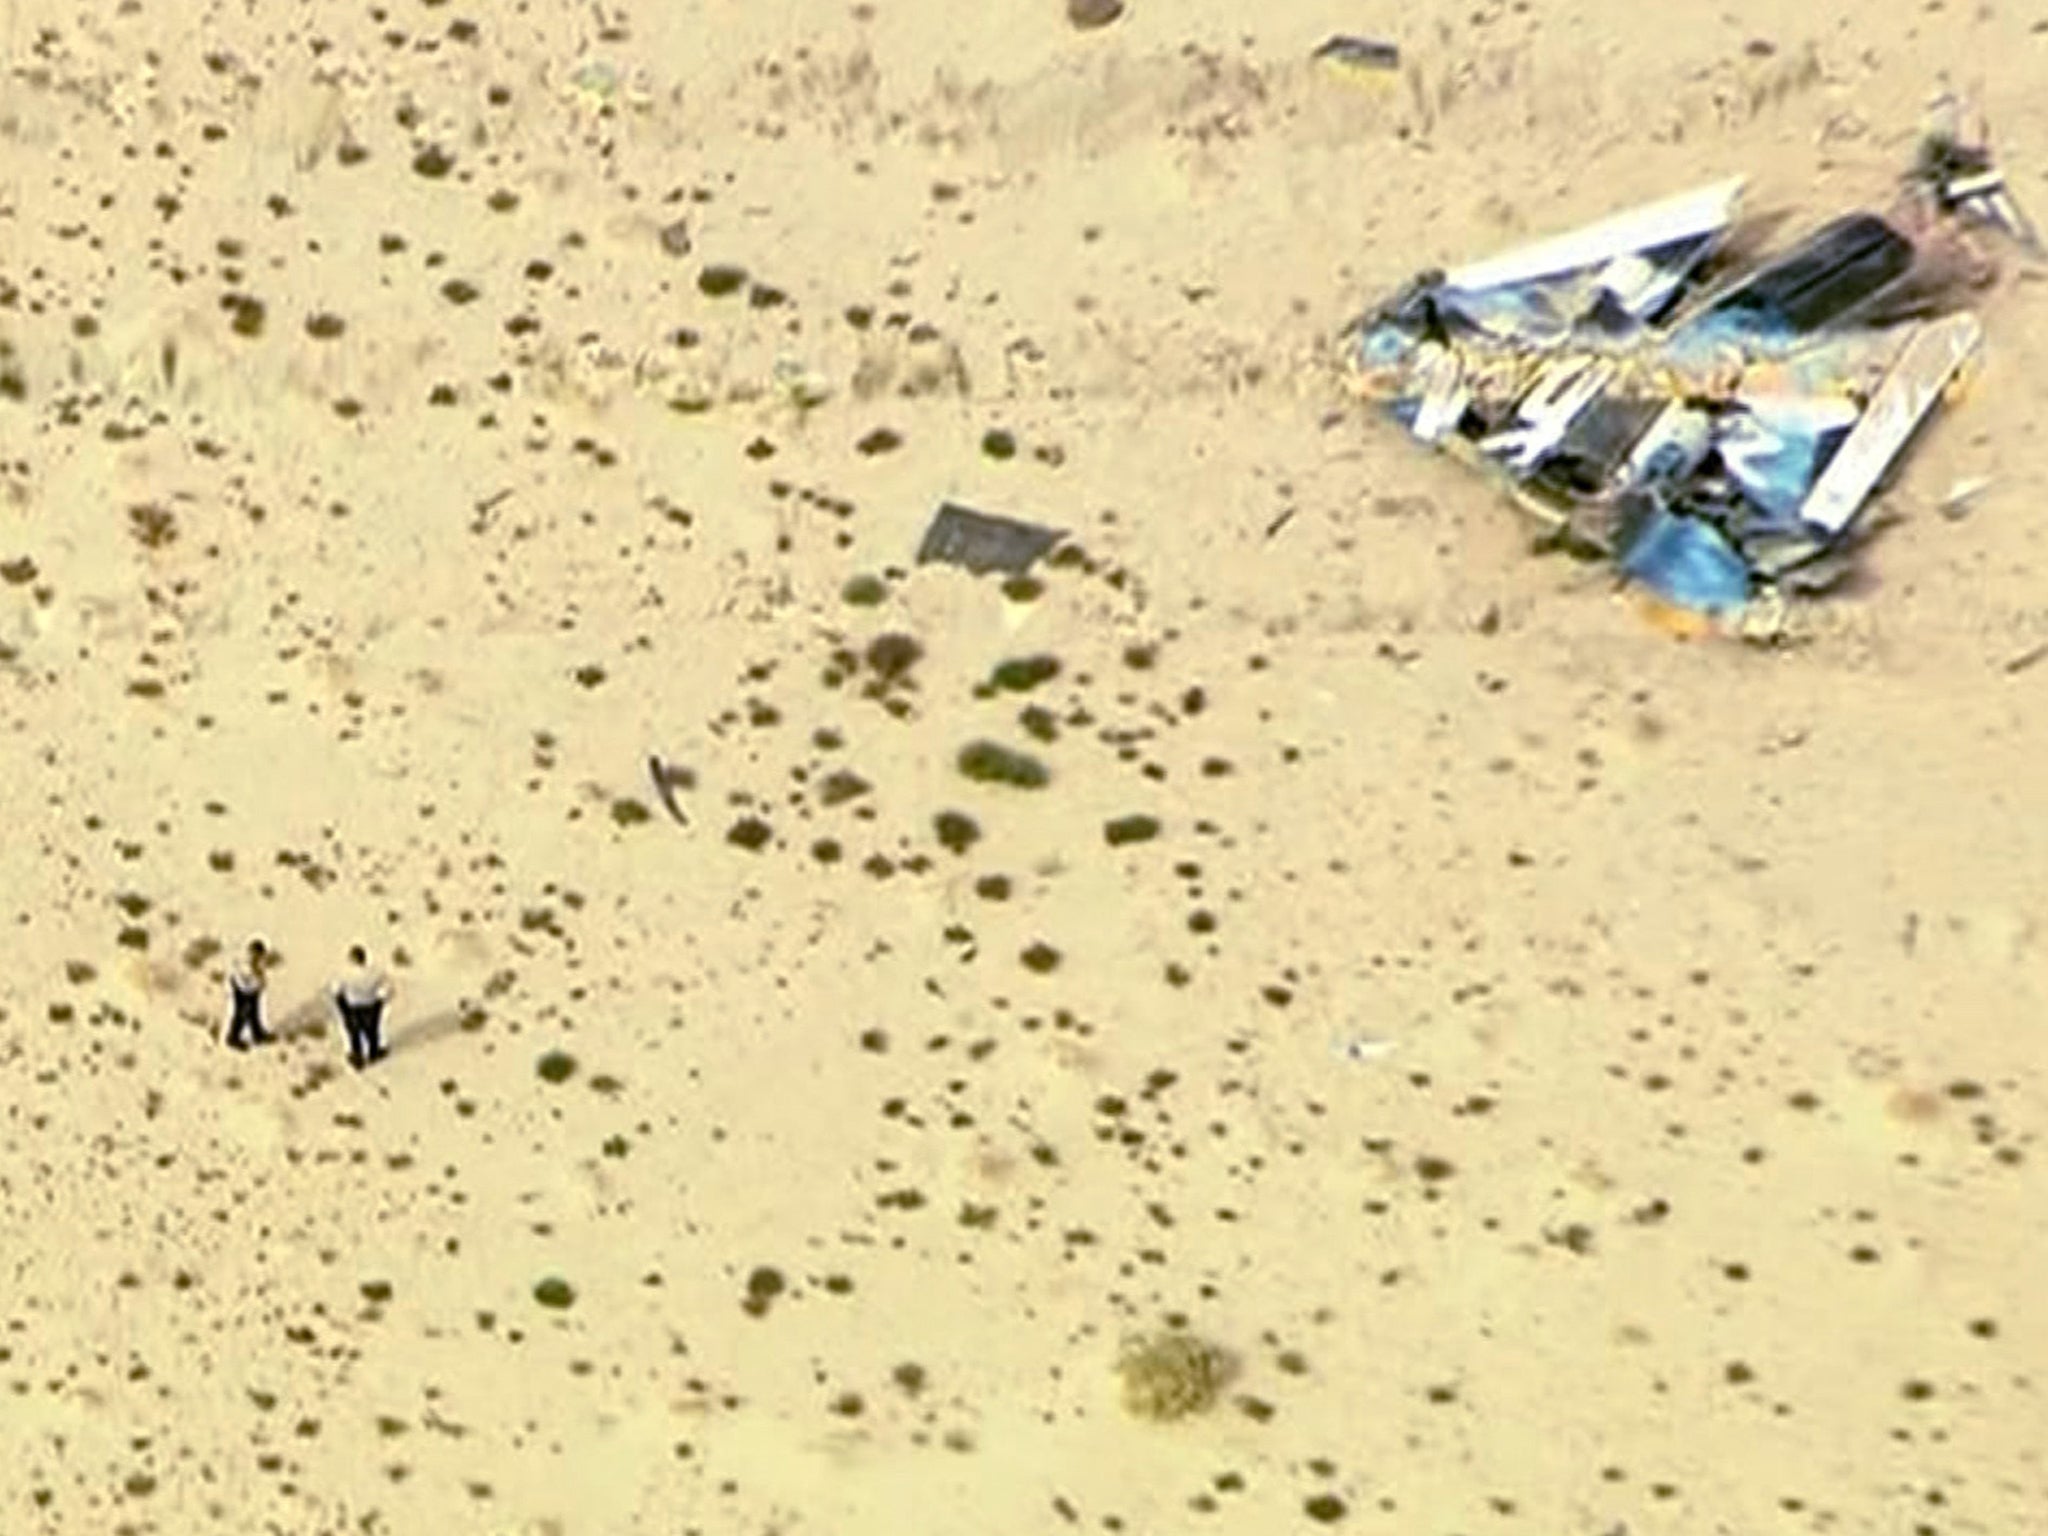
1357, 53
1715, 440
981, 541
1954, 174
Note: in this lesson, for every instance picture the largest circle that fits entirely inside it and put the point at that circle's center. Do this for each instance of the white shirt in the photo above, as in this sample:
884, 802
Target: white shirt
363, 986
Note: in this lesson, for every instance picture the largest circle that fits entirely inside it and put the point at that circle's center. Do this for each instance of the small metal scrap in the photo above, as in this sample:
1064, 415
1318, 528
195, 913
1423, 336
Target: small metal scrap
1358, 53
2028, 659
1963, 495
982, 541
1088, 15
1363, 1048
668, 778
1957, 176
801, 385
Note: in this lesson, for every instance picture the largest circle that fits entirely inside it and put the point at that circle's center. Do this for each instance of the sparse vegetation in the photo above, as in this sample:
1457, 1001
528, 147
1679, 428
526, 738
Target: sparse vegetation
750, 833
153, 526
864, 591
989, 762
890, 657
956, 831
1171, 1374
1130, 829
720, 279
1023, 673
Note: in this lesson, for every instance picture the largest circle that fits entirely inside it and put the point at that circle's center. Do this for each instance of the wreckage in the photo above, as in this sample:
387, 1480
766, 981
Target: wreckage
1711, 425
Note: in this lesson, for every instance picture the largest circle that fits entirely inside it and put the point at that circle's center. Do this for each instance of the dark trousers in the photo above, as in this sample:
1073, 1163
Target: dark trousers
365, 1024
245, 1025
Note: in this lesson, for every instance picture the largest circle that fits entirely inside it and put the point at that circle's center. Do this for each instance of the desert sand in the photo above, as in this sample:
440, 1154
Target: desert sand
1568, 1078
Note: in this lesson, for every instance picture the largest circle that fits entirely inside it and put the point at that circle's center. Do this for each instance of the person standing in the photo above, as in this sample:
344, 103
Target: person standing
360, 997
245, 996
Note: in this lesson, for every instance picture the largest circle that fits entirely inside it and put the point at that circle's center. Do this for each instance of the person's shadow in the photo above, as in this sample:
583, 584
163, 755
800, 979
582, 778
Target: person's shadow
314, 1019
418, 1034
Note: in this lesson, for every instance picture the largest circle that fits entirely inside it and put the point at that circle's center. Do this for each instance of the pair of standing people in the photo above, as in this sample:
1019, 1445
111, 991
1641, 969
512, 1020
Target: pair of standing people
359, 997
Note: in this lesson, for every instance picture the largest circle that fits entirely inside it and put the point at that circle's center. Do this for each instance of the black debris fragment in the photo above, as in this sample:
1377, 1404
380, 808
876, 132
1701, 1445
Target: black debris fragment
982, 541
668, 778
1358, 53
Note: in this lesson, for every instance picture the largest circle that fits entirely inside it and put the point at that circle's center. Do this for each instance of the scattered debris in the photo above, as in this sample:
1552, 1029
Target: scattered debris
1360, 1049
1957, 176
595, 88
2033, 656
981, 541
1956, 504
668, 778
1358, 53
801, 385
1087, 15
1713, 431
675, 237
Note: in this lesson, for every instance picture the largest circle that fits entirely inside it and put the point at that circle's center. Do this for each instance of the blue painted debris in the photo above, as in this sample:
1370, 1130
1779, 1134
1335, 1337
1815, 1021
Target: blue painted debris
1686, 562
1713, 427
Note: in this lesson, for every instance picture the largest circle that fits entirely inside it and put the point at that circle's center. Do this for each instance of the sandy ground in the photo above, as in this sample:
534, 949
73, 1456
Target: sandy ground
383, 481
